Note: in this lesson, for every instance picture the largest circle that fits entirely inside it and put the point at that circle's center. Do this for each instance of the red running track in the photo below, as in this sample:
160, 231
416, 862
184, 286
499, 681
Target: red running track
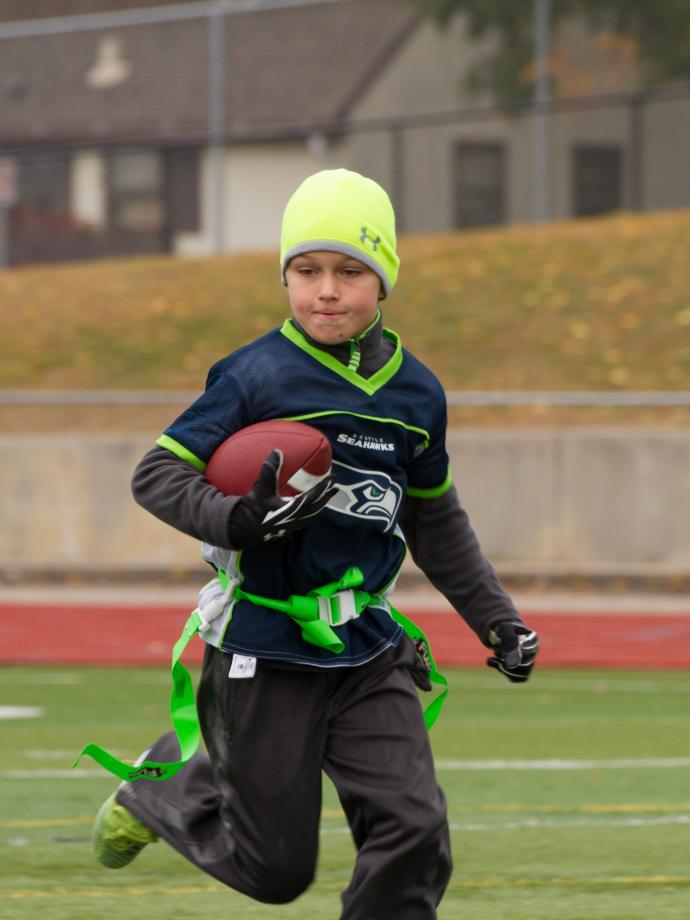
95, 634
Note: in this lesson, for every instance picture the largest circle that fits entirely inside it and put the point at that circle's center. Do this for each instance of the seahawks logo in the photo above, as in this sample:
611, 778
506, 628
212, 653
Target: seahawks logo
147, 772
368, 494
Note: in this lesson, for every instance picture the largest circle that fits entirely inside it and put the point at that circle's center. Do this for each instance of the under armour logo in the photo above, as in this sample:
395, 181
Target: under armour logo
365, 236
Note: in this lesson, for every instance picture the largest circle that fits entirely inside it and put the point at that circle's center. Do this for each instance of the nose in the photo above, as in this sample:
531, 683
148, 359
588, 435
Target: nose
328, 289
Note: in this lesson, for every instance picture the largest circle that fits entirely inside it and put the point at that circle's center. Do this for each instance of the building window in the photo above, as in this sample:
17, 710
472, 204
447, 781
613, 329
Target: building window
136, 191
597, 180
43, 193
479, 185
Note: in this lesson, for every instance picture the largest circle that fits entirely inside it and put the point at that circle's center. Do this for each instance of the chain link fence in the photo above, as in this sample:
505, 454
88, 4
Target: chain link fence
182, 128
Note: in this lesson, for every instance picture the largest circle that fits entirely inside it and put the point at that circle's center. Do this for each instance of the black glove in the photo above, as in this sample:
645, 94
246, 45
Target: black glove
263, 515
515, 648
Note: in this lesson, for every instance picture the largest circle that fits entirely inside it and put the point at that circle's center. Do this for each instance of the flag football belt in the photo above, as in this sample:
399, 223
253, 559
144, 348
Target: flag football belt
315, 613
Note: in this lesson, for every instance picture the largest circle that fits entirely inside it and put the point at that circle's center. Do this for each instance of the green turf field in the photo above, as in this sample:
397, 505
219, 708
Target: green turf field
569, 840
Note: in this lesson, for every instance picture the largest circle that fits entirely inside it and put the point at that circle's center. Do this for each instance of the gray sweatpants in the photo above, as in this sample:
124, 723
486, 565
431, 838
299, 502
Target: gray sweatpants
248, 814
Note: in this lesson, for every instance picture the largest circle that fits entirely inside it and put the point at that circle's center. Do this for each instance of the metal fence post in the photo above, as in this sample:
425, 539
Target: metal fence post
636, 158
398, 178
216, 125
4, 239
542, 178
9, 182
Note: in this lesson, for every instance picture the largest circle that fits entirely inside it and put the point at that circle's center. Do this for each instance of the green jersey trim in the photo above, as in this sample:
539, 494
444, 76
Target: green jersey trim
372, 418
181, 451
432, 493
370, 386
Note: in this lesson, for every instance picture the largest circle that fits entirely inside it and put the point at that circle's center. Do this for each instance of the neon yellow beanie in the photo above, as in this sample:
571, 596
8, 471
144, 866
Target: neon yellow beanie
336, 210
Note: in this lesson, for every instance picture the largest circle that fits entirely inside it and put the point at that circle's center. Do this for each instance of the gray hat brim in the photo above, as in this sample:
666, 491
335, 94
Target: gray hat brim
345, 249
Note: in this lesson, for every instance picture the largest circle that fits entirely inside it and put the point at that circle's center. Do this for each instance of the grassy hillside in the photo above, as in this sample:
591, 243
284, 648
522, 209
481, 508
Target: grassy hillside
594, 304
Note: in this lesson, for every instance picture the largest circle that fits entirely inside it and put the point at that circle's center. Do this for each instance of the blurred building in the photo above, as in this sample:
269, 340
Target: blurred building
131, 127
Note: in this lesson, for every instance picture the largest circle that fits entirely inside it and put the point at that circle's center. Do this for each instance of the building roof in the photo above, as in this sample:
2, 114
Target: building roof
16, 10
285, 72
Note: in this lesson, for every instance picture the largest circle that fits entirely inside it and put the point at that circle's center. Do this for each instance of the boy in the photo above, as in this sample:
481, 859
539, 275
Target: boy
248, 814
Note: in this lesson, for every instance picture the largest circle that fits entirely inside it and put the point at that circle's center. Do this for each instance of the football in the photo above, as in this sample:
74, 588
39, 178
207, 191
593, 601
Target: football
235, 465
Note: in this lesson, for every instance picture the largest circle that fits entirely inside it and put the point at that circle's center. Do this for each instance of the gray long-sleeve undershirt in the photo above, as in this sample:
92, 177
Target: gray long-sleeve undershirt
444, 546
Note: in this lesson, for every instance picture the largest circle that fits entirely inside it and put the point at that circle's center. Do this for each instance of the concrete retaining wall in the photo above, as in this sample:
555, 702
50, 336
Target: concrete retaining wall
578, 500
597, 500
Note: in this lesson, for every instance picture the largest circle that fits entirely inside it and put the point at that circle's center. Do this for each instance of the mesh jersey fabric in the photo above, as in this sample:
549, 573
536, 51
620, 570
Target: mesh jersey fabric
386, 439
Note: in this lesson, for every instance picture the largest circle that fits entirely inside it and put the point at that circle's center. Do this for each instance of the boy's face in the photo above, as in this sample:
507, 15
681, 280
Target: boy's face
332, 296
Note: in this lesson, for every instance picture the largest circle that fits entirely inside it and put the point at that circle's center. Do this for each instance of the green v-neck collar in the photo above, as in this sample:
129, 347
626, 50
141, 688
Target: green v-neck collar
370, 385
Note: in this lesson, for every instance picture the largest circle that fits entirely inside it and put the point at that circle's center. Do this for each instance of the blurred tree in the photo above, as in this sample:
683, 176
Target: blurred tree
660, 33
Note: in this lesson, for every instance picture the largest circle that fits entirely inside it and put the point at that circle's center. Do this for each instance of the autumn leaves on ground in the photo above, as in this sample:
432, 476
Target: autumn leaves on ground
592, 304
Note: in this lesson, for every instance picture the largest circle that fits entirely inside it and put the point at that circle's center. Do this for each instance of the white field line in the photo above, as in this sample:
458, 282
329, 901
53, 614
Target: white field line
662, 763
20, 712
544, 683
541, 823
574, 822
522, 824
48, 755
585, 810
519, 824
53, 774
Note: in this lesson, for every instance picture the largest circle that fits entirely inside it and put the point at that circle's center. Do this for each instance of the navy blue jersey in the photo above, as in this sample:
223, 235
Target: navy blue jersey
388, 439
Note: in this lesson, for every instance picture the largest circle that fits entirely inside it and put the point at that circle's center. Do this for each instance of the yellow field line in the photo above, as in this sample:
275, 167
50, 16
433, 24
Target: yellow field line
618, 881
49, 822
556, 882
110, 891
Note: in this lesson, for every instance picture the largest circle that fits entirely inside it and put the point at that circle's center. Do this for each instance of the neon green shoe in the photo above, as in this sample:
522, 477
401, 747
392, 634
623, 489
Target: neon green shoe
118, 836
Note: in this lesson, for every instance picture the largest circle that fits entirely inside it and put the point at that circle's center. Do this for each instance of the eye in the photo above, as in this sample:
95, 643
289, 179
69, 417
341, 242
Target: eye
373, 492
352, 272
